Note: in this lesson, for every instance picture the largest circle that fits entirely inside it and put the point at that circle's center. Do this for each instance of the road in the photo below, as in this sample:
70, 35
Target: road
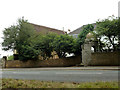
62, 75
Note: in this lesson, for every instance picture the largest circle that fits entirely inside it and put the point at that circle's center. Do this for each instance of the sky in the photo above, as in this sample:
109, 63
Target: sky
70, 14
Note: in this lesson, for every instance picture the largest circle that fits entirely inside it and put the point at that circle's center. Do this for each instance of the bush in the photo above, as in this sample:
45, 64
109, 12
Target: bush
64, 44
44, 43
28, 53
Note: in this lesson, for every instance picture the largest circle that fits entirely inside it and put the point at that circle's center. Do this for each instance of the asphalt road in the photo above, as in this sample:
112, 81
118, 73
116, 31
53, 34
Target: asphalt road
62, 75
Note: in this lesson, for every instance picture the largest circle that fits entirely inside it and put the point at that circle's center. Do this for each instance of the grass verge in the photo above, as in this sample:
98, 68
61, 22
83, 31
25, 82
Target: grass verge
15, 83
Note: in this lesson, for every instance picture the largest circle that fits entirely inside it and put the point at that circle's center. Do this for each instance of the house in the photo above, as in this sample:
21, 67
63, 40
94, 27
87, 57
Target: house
45, 30
76, 32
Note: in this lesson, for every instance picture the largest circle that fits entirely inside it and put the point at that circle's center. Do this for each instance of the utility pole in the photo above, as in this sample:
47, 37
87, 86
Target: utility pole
119, 9
119, 17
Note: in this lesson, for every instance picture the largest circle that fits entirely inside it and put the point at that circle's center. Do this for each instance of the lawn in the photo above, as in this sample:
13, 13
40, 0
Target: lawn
15, 83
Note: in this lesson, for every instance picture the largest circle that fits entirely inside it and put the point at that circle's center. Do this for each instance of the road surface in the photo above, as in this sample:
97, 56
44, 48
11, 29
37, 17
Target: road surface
62, 75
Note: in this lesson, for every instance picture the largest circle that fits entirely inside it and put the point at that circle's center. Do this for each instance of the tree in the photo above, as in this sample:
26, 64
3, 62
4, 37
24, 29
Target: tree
10, 38
25, 45
44, 43
109, 29
20, 37
28, 52
82, 36
64, 44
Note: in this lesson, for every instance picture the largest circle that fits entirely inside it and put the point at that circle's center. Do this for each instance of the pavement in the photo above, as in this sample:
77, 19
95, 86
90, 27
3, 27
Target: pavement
70, 68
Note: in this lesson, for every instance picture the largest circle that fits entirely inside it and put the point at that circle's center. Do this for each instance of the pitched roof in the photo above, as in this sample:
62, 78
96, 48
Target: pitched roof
45, 30
78, 30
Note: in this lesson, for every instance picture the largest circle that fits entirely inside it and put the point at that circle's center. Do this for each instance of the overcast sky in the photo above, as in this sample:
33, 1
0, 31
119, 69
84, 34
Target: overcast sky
70, 14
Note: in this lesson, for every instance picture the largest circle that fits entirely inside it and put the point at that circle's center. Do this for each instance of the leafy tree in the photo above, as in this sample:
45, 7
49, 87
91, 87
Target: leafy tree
82, 36
25, 45
64, 44
28, 52
109, 29
85, 30
10, 38
44, 43
20, 37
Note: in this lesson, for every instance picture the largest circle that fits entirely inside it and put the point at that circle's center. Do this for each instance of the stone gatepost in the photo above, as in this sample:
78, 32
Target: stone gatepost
2, 63
86, 48
86, 53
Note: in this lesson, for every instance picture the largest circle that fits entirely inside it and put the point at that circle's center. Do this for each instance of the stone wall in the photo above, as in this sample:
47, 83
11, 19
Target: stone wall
105, 58
70, 61
98, 58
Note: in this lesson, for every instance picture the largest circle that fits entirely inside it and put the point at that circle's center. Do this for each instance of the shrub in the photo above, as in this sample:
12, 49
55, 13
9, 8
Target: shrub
64, 44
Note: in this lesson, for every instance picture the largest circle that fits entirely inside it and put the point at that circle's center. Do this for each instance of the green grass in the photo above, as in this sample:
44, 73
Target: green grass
14, 83
10, 57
